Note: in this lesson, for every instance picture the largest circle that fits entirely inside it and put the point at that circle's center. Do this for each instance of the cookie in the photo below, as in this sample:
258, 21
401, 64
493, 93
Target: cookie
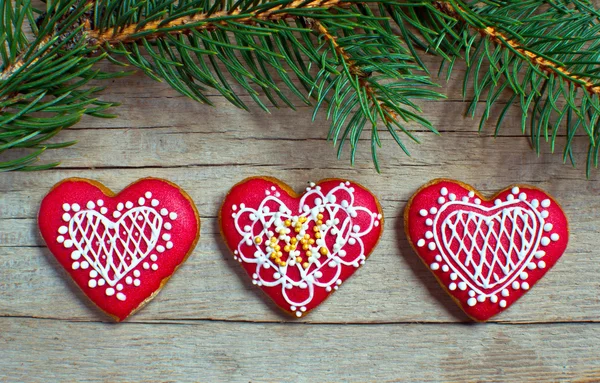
486, 253
119, 249
299, 249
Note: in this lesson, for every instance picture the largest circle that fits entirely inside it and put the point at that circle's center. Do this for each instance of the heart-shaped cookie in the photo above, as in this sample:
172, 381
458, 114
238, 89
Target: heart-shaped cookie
486, 253
300, 248
119, 249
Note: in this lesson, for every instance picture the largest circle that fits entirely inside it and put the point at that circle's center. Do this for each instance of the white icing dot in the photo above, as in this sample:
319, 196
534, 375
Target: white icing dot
505, 293
66, 217
85, 265
128, 204
452, 197
154, 266
153, 257
471, 194
515, 190
465, 199
146, 265
433, 210
121, 296
75, 265
523, 275
166, 236
494, 298
75, 207
544, 214
546, 203
545, 241
128, 280
548, 227
554, 237
101, 282
428, 234
421, 242
423, 212
431, 245
136, 273
535, 203
540, 254
438, 258
497, 202
167, 225
471, 293
477, 201
173, 216
141, 201
462, 286
472, 302
434, 266
531, 266
523, 197
525, 286
441, 200
110, 291
160, 248
66, 207
60, 239
62, 230
148, 194
103, 210
453, 276
445, 268
481, 298
169, 245
75, 255
429, 222
93, 273
92, 283
164, 211
68, 244
542, 264
116, 214
90, 205
298, 314
510, 197
452, 286
136, 282
503, 303
120, 206
515, 285
154, 203
444, 191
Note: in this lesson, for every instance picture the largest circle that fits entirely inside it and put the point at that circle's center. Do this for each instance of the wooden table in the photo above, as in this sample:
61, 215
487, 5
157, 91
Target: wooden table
210, 324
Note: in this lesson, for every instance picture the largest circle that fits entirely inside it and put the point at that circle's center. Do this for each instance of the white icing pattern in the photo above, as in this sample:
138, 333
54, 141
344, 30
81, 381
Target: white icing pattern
487, 250
114, 249
306, 249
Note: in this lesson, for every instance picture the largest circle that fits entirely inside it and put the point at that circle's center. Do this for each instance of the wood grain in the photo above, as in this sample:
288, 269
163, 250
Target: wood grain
390, 322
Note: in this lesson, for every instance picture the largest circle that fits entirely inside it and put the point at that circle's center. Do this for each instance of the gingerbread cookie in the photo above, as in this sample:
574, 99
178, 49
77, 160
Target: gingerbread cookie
486, 253
299, 249
119, 249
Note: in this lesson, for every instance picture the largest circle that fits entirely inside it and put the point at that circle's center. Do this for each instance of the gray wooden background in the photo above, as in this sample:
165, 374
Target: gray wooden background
390, 322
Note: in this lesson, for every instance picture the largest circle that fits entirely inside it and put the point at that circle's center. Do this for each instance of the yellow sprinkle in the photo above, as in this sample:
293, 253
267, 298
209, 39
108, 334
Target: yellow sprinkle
315, 229
283, 264
305, 265
297, 230
277, 248
286, 248
317, 235
323, 250
273, 239
279, 254
304, 247
311, 241
258, 240
309, 253
319, 216
319, 222
273, 256
288, 223
293, 240
298, 259
306, 236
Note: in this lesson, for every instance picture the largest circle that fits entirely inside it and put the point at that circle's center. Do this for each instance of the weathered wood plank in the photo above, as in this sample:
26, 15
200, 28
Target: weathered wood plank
211, 286
42, 351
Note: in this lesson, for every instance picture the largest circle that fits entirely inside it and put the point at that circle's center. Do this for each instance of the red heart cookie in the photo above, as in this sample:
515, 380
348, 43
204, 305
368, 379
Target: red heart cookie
119, 249
299, 249
486, 253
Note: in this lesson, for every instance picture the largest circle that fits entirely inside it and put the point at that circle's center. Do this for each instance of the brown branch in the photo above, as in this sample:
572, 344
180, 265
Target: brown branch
127, 33
355, 69
546, 65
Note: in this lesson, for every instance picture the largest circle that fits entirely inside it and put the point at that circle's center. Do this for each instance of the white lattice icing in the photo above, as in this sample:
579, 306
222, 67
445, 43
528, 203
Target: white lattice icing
114, 248
272, 219
488, 250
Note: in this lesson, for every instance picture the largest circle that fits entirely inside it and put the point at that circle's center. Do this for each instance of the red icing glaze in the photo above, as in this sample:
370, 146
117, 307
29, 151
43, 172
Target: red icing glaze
484, 254
166, 239
306, 287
